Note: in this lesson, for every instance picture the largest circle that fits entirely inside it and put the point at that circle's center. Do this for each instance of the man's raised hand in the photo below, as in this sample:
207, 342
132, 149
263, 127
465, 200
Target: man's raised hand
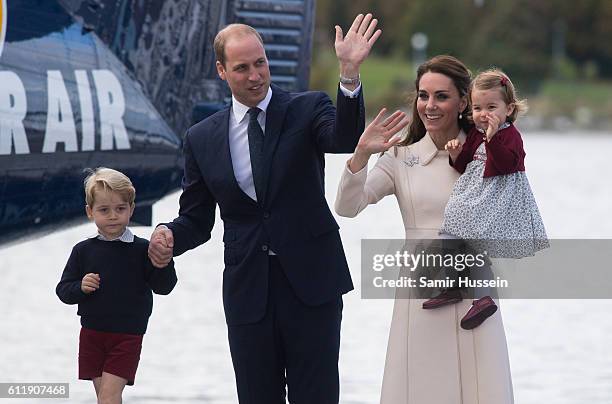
355, 47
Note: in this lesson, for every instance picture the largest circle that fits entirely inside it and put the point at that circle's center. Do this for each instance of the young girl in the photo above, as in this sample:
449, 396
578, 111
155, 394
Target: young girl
492, 202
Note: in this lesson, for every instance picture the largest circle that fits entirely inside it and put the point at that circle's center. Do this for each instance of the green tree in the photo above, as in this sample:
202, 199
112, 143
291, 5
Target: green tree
516, 35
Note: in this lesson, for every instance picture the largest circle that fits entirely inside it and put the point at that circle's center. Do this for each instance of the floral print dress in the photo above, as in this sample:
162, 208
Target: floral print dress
498, 213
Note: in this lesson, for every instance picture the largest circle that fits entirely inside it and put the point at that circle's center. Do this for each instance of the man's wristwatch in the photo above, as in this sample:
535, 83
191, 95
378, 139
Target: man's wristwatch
349, 81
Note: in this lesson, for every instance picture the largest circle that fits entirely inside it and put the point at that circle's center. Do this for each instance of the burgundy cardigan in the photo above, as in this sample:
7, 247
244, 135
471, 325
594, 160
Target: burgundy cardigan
505, 154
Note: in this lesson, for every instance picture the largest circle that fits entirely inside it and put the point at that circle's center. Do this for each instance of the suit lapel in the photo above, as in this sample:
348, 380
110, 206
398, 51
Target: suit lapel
275, 117
221, 139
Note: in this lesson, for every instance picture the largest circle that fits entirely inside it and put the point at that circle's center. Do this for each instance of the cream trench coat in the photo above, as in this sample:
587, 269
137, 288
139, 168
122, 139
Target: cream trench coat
430, 358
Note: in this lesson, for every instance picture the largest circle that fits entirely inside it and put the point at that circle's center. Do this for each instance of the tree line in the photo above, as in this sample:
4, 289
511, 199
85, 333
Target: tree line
530, 40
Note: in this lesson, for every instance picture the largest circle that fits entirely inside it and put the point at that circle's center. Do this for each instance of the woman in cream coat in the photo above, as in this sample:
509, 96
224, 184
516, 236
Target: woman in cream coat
430, 358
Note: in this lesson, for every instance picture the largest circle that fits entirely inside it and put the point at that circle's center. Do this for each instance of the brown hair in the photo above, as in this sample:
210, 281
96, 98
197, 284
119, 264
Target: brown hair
226, 33
107, 179
454, 69
495, 78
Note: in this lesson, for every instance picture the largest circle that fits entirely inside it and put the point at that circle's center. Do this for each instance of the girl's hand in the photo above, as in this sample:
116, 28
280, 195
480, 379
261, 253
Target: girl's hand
90, 283
453, 147
494, 123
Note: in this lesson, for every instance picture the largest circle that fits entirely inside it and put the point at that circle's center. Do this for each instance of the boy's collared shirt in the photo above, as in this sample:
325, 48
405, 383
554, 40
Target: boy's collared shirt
126, 237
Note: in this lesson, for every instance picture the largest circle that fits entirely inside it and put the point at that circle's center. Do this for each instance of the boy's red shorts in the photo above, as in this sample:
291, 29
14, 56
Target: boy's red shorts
109, 352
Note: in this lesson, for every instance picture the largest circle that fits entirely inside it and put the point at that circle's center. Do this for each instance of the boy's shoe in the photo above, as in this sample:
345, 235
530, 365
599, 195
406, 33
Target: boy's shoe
481, 309
450, 296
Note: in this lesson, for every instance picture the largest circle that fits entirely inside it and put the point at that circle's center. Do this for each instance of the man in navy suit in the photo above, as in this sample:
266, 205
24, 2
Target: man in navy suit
262, 161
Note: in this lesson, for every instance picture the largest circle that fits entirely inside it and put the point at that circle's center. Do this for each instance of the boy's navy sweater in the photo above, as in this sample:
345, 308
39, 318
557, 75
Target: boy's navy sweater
124, 302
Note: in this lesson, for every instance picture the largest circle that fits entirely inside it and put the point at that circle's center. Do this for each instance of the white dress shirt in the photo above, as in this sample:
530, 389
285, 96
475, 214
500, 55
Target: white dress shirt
239, 141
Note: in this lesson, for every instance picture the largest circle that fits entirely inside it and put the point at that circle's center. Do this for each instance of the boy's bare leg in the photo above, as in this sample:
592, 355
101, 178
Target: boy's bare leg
111, 388
96, 382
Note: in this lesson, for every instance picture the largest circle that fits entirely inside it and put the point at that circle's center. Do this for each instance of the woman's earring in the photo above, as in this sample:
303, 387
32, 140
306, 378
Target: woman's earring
460, 116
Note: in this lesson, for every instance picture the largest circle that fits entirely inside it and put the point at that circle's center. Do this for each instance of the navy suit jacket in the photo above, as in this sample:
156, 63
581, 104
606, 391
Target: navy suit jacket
293, 219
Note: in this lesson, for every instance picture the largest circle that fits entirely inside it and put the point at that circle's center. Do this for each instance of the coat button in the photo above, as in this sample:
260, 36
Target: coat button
266, 215
264, 248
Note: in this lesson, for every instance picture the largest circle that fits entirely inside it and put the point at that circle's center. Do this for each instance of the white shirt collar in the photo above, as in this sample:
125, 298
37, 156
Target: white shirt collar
240, 110
126, 237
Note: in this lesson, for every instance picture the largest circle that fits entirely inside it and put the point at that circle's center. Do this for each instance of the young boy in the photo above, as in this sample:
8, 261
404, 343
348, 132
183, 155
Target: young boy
111, 278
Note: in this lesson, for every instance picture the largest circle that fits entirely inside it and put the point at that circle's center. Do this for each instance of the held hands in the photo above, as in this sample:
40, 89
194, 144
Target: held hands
378, 137
354, 48
453, 147
161, 246
90, 283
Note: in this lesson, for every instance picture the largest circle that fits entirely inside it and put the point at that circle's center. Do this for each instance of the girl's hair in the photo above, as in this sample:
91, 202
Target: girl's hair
495, 78
454, 69
107, 179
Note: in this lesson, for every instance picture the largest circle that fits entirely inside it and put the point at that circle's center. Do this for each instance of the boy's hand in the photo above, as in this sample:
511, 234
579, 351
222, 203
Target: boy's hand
494, 123
453, 147
90, 283
161, 246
